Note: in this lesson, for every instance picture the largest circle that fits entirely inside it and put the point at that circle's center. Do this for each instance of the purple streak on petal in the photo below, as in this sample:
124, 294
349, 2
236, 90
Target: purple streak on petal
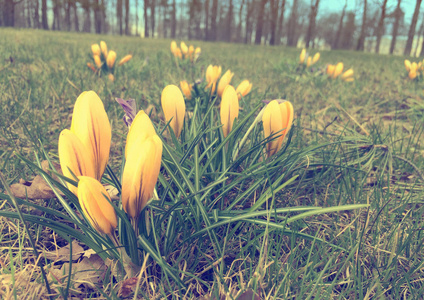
130, 109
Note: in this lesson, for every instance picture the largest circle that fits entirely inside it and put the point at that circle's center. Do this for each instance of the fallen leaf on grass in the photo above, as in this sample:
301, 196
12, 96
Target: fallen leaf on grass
127, 287
63, 254
37, 188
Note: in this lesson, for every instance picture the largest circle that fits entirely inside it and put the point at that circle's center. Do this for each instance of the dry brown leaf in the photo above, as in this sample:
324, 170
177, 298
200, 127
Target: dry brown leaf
37, 188
63, 253
127, 287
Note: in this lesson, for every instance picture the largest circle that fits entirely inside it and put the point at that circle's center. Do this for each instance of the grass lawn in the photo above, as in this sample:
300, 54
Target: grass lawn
355, 152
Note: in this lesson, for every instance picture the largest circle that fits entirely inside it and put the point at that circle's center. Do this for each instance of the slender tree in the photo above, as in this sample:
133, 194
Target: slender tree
380, 26
292, 25
214, 14
119, 15
146, 20
76, 21
44, 14
411, 32
273, 6
361, 40
127, 17
340, 28
312, 22
281, 22
97, 16
152, 16
260, 22
173, 19
397, 14
36, 17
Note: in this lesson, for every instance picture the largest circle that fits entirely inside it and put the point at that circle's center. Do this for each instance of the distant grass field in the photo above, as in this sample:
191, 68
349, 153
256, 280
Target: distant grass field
42, 73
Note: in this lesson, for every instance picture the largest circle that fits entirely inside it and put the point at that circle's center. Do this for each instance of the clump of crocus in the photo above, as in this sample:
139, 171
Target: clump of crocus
335, 71
84, 149
229, 109
224, 82
277, 120
306, 59
413, 69
173, 107
243, 88
212, 75
186, 88
105, 60
185, 52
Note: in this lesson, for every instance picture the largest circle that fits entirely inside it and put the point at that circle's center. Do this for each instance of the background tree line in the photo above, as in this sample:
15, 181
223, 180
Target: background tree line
270, 22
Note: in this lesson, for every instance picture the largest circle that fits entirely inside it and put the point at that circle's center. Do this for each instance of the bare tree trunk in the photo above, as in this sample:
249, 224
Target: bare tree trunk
312, 22
28, 13
136, 17
411, 32
76, 22
292, 25
260, 22
87, 16
214, 13
281, 22
173, 20
361, 40
67, 15
9, 13
380, 26
97, 17
339, 30
152, 16
206, 36
398, 14
44, 14
127, 17
422, 45
249, 11
420, 33
119, 15
273, 6
229, 22
146, 20
239, 26
36, 17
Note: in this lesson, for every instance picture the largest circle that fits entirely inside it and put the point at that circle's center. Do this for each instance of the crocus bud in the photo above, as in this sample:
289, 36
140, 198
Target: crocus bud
141, 129
103, 47
140, 174
95, 48
309, 62
330, 70
191, 52
173, 107
173, 47
338, 70
111, 77
212, 75
277, 120
197, 53
91, 125
74, 158
302, 56
229, 109
125, 59
407, 65
184, 49
97, 61
412, 74
95, 204
111, 57
178, 53
224, 81
316, 58
243, 88
348, 75
186, 89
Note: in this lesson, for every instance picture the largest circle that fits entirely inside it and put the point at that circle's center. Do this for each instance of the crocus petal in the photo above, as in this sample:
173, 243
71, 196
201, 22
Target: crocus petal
173, 107
95, 48
407, 65
347, 74
140, 174
224, 81
97, 61
103, 47
184, 48
186, 89
302, 56
74, 158
141, 129
125, 59
229, 109
330, 70
273, 124
173, 47
309, 62
91, 125
111, 57
243, 88
316, 57
338, 70
95, 204
286, 110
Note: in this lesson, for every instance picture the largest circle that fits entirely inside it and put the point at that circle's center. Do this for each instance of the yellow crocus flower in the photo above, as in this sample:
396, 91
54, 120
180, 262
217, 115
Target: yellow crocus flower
140, 174
97, 61
186, 89
91, 66
103, 47
224, 82
302, 56
330, 70
348, 75
95, 48
110, 60
212, 75
197, 53
316, 58
229, 109
277, 120
309, 62
111, 77
91, 125
173, 107
407, 65
125, 59
95, 204
173, 47
184, 49
243, 88
191, 52
74, 158
338, 70
141, 128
